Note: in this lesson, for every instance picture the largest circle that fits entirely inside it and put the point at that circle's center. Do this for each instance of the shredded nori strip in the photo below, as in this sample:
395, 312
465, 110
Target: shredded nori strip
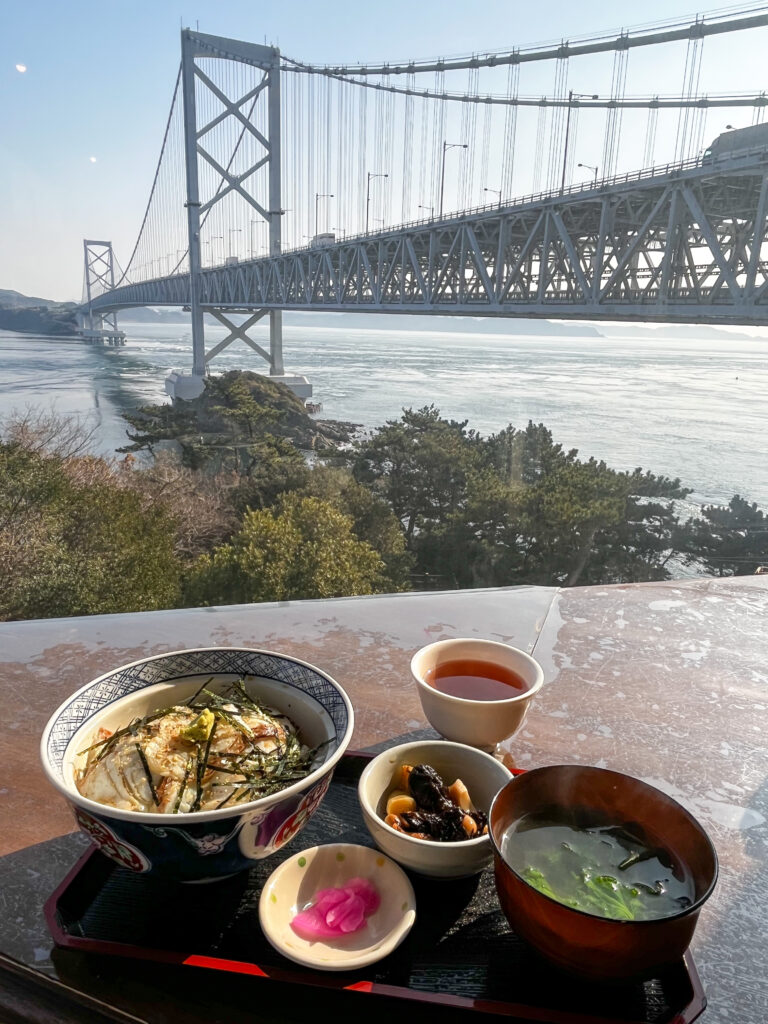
145, 766
134, 724
201, 764
182, 787
194, 696
226, 770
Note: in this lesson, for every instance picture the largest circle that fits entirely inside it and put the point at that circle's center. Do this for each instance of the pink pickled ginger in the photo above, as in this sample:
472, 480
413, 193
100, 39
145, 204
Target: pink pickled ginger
339, 911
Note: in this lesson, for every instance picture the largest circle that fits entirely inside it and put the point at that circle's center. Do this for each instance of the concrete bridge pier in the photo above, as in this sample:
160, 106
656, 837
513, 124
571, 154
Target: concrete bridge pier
100, 330
188, 386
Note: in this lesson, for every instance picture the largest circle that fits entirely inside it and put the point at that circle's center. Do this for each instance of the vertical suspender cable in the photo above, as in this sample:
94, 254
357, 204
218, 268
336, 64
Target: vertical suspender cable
485, 153
362, 136
683, 113
538, 158
423, 197
473, 165
558, 119
461, 187
328, 123
310, 158
140, 237
438, 137
341, 137
388, 183
405, 202
510, 131
574, 134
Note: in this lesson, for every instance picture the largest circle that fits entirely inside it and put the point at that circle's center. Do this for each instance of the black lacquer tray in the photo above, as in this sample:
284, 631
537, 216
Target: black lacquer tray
460, 953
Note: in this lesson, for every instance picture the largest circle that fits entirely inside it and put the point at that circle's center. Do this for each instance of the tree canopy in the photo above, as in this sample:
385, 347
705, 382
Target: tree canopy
729, 540
516, 507
303, 547
73, 542
243, 511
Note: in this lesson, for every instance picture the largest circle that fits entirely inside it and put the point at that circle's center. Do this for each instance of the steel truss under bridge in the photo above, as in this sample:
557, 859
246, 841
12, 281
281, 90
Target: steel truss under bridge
684, 245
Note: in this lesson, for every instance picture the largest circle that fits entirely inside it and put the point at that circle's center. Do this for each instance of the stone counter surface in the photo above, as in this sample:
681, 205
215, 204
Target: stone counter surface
668, 682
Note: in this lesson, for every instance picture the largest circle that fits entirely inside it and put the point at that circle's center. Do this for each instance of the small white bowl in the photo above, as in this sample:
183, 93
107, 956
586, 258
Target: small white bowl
483, 776
480, 723
291, 888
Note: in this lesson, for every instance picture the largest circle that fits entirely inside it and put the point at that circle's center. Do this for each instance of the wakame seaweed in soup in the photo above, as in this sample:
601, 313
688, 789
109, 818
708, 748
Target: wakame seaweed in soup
604, 870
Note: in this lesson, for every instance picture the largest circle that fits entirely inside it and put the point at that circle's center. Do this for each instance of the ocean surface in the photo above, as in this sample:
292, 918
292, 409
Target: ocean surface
688, 406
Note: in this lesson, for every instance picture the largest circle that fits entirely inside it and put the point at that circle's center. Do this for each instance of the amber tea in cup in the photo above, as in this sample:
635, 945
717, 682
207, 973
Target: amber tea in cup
473, 679
475, 691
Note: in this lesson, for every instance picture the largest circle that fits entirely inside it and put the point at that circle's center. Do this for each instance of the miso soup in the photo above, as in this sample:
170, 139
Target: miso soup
606, 870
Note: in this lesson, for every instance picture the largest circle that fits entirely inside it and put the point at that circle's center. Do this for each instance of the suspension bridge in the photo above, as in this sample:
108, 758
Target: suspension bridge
283, 185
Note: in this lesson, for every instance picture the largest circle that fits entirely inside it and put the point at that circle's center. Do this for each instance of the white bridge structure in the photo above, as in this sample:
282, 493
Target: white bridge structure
263, 154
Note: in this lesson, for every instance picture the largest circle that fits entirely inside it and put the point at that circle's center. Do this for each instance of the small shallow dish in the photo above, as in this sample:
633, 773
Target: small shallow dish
483, 776
291, 888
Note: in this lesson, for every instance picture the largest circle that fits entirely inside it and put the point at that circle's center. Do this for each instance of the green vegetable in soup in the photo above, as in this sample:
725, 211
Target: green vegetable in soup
603, 870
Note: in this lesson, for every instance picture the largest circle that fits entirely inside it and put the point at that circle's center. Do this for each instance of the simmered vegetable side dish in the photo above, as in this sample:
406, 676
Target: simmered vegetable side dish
421, 805
214, 750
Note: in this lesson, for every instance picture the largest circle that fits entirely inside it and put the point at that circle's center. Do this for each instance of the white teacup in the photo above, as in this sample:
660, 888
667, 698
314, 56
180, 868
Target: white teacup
477, 722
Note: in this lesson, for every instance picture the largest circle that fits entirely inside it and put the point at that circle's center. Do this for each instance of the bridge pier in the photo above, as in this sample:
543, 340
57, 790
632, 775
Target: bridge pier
276, 368
188, 386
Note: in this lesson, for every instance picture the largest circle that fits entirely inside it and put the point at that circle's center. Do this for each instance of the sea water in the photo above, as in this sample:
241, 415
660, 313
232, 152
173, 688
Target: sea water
685, 402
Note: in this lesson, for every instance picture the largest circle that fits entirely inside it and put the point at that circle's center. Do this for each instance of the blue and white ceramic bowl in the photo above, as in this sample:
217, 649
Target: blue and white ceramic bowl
203, 845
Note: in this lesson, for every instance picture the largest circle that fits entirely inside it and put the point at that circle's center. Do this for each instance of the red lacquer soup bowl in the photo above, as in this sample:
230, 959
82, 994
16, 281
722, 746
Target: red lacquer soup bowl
581, 942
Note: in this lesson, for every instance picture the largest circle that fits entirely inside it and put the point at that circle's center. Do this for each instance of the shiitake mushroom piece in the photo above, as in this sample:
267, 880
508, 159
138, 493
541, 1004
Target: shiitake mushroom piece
445, 826
427, 789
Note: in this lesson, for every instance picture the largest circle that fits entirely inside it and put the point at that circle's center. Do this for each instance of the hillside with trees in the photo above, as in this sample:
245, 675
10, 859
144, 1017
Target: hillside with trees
31, 315
240, 496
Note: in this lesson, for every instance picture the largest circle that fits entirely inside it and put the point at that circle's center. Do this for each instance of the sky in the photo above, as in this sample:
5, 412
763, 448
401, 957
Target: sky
81, 126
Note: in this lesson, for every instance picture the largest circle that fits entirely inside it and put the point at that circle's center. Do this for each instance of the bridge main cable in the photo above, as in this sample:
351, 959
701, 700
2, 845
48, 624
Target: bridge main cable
494, 99
154, 180
624, 41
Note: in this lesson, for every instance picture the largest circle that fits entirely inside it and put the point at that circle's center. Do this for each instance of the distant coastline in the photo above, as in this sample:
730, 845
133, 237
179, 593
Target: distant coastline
28, 314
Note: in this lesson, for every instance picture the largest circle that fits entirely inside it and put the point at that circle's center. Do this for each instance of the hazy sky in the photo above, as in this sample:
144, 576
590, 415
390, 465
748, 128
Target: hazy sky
81, 127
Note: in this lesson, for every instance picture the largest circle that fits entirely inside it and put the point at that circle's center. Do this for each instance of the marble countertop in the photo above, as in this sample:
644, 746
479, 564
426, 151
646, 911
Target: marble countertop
667, 682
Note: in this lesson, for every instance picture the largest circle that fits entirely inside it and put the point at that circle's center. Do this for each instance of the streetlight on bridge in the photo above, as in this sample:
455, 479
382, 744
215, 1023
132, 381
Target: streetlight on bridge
431, 210
252, 239
446, 147
589, 167
318, 197
210, 241
368, 196
496, 191
571, 95
233, 231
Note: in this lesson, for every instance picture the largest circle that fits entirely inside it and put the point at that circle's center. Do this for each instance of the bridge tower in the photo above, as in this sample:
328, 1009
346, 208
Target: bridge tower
196, 46
99, 276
